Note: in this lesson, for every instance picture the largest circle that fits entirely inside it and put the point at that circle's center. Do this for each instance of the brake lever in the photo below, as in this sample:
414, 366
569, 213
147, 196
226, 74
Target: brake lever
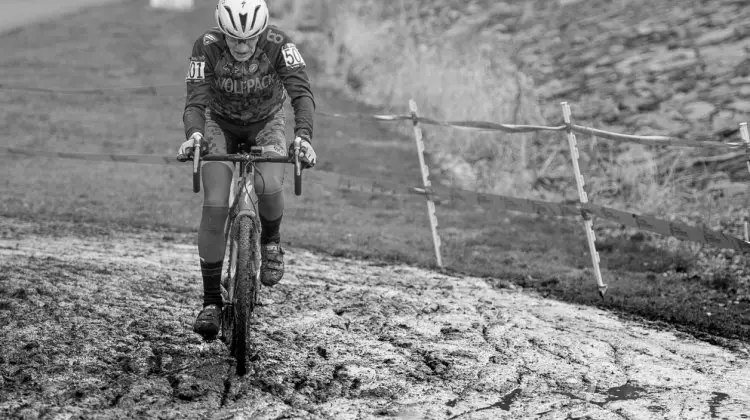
297, 164
196, 165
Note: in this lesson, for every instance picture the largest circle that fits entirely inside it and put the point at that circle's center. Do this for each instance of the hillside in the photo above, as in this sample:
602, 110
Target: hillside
635, 67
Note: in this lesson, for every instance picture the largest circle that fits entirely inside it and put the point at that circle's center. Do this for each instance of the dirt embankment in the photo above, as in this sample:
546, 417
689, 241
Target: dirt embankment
96, 323
677, 68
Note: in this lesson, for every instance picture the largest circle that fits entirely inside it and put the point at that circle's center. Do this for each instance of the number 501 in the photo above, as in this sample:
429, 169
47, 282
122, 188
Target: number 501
197, 70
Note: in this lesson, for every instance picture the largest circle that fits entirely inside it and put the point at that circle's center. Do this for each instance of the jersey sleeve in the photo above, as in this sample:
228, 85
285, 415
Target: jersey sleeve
291, 67
198, 80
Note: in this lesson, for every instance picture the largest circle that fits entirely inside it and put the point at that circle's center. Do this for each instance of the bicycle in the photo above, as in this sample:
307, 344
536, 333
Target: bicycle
241, 282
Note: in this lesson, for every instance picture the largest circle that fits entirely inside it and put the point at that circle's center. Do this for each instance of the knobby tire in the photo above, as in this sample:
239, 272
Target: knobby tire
246, 287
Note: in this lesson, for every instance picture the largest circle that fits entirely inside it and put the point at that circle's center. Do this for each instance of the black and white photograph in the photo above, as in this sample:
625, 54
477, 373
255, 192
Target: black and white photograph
361, 209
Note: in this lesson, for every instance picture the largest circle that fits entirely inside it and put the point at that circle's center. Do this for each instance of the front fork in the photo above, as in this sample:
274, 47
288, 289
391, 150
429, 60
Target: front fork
245, 204
246, 207
240, 204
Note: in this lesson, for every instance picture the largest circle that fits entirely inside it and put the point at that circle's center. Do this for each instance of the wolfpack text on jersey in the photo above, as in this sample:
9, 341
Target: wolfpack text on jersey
248, 91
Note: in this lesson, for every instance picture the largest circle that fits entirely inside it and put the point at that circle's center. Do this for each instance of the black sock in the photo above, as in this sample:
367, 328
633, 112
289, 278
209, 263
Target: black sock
270, 231
211, 282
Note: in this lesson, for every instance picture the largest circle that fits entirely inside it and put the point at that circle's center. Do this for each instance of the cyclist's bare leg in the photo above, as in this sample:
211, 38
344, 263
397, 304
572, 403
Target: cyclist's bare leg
269, 183
271, 207
270, 200
217, 179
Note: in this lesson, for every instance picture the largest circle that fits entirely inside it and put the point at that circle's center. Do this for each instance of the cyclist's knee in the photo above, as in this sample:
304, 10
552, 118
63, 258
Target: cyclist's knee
266, 188
269, 179
217, 180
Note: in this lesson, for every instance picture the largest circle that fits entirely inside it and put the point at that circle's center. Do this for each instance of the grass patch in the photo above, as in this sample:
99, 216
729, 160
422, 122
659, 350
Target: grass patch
376, 52
128, 45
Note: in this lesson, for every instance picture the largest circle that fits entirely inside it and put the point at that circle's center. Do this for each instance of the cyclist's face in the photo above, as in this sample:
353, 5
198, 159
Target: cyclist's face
241, 49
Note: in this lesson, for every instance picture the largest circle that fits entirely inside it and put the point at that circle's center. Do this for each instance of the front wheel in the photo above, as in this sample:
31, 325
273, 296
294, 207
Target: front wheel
246, 287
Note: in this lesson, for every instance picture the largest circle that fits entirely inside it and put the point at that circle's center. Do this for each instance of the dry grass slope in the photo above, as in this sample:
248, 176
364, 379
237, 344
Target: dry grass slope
515, 62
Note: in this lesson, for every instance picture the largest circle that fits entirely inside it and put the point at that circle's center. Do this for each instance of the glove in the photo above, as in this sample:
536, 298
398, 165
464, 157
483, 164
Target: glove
306, 152
186, 148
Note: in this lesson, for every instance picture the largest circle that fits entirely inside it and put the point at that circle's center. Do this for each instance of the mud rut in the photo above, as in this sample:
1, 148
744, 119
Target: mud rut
96, 323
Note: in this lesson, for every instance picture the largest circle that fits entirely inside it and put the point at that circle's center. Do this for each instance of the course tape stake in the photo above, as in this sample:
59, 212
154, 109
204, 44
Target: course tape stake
745, 136
745, 139
426, 183
588, 223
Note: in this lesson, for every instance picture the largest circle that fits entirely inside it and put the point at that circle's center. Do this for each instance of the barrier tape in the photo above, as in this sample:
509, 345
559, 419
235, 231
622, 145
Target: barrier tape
472, 125
677, 230
149, 159
654, 140
465, 125
513, 128
149, 89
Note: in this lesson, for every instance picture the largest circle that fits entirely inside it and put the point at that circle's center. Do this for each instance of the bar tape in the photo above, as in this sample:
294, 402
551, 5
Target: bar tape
524, 205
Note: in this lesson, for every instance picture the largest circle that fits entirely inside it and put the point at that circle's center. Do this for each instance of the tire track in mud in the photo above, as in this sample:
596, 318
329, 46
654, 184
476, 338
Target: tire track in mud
98, 323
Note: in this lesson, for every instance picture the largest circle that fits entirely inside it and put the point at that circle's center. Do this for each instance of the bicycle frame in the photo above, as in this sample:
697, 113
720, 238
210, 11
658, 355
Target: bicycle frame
241, 195
242, 242
241, 207
242, 190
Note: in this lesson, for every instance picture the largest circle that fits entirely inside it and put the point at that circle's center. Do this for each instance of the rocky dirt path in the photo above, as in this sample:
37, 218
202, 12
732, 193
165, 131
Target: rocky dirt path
96, 323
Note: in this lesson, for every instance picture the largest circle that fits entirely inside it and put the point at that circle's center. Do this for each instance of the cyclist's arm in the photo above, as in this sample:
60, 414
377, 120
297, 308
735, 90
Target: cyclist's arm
291, 68
198, 81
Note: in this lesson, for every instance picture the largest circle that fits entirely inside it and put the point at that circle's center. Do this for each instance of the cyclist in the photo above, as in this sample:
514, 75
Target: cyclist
240, 74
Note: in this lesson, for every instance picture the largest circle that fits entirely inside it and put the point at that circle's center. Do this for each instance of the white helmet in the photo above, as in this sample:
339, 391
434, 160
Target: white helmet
243, 19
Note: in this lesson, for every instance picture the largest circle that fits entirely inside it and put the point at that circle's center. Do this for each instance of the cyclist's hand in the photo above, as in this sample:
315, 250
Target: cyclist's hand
306, 152
187, 147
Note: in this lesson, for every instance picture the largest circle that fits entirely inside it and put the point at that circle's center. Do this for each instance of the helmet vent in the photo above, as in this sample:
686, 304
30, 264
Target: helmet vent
229, 12
255, 16
243, 21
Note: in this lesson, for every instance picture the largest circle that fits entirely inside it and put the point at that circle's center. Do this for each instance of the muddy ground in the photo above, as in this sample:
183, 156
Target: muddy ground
96, 323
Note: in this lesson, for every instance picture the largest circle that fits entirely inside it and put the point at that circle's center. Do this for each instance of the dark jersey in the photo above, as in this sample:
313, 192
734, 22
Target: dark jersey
249, 91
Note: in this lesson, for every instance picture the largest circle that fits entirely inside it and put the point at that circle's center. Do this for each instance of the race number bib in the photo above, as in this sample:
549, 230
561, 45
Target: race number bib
196, 71
292, 57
